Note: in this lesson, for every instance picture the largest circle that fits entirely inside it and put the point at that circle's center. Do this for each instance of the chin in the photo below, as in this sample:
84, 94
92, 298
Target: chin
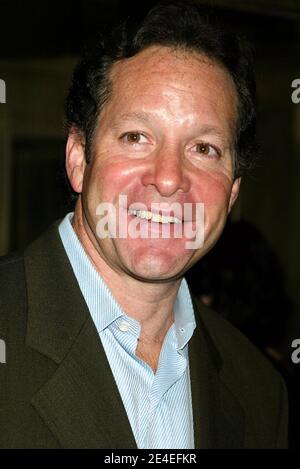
157, 266
156, 276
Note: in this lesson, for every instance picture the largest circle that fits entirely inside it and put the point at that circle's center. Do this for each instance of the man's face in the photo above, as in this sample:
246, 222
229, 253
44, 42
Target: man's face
166, 135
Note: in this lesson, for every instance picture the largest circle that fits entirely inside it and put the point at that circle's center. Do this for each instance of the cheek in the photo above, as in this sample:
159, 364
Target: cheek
106, 179
214, 191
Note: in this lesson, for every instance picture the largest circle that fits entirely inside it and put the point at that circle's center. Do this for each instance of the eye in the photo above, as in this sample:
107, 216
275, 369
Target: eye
133, 138
206, 149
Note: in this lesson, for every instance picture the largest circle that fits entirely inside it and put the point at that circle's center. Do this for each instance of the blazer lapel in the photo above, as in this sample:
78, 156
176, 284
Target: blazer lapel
218, 416
80, 402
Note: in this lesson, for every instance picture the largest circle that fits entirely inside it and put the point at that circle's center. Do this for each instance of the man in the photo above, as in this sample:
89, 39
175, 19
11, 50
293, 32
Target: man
105, 348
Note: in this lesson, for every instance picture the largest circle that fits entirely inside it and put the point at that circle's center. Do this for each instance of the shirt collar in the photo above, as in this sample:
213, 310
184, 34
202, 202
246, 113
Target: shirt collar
184, 317
103, 307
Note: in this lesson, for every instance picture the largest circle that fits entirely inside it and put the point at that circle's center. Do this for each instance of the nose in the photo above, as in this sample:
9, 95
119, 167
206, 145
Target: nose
166, 173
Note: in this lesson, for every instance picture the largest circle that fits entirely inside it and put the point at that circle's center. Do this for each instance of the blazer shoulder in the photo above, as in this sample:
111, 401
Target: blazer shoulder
12, 260
12, 274
12, 285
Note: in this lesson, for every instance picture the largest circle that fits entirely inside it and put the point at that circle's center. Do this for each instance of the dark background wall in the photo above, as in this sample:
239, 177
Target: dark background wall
39, 45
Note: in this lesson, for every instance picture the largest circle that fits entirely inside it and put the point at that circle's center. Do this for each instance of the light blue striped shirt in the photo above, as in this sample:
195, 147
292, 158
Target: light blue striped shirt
159, 406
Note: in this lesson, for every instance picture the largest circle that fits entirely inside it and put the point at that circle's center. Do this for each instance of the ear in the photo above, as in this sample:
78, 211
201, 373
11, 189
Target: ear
234, 193
75, 161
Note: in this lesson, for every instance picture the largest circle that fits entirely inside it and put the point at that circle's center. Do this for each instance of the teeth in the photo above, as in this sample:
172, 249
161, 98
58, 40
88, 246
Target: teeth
155, 217
132, 212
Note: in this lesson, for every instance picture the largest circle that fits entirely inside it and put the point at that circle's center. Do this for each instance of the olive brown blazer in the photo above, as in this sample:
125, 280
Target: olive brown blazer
57, 389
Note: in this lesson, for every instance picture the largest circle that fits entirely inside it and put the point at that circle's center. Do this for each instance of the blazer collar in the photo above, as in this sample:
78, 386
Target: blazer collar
80, 402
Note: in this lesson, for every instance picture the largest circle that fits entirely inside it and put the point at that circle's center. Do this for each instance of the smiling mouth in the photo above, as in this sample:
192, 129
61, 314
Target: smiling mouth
155, 217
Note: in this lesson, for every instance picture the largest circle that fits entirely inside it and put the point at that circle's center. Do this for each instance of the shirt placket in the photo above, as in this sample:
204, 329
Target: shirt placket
172, 366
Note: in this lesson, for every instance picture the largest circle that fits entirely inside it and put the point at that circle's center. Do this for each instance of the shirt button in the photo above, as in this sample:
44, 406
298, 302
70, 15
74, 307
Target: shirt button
124, 326
182, 330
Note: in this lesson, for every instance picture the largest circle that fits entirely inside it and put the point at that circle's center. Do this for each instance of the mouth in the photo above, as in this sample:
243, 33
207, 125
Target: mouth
154, 217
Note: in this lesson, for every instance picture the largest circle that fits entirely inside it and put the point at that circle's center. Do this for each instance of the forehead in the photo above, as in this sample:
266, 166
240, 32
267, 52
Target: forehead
182, 81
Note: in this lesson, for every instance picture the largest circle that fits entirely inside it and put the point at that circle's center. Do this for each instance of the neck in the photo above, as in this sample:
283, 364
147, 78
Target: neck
149, 303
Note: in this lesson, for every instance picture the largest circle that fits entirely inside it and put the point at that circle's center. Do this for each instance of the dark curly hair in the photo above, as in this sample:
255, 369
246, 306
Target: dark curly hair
181, 25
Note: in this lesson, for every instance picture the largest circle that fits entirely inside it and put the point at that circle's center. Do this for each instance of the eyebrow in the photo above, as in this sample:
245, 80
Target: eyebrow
146, 118
133, 116
211, 129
